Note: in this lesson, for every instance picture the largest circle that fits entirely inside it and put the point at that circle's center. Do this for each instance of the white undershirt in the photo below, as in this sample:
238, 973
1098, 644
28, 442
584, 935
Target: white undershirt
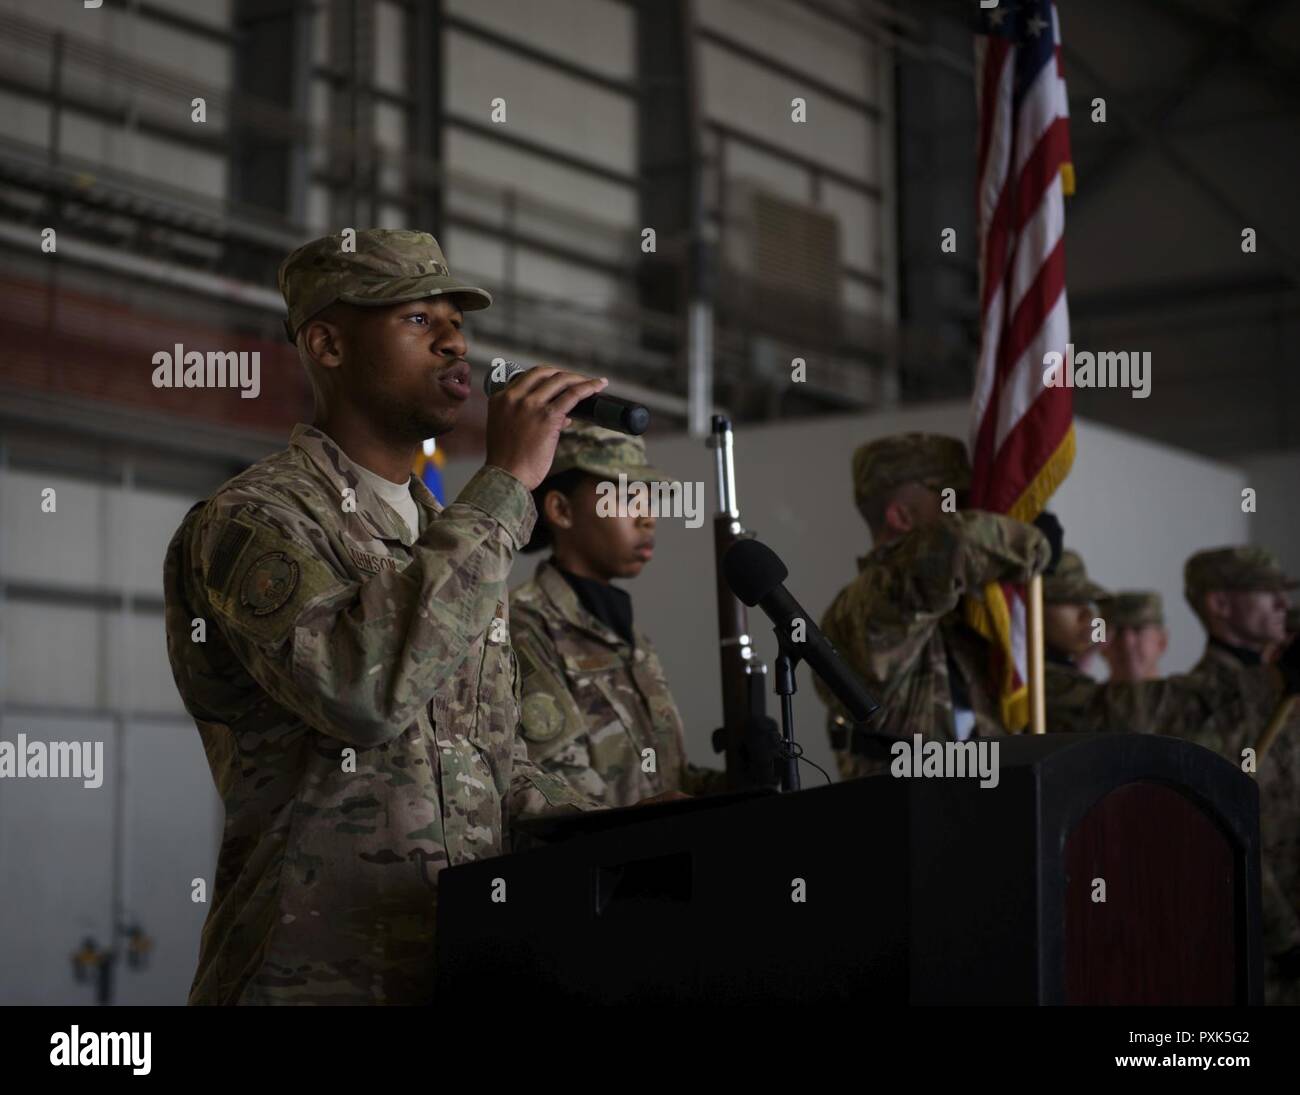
397, 495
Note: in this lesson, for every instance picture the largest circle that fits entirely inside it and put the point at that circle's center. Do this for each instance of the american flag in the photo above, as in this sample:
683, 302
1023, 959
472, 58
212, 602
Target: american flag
1022, 433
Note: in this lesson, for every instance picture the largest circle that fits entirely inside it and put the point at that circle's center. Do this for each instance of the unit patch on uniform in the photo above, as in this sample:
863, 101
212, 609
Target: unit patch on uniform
269, 583
541, 717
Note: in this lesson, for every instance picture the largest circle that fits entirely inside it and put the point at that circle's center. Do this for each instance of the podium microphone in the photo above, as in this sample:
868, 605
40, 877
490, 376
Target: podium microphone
755, 574
601, 409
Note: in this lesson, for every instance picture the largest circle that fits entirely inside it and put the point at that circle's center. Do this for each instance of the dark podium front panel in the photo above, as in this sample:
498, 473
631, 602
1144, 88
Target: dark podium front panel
887, 890
1164, 862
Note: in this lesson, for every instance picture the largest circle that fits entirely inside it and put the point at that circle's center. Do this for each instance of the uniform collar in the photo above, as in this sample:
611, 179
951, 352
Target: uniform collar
373, 512
556, 589
608, 603
1056, 657
877, 551
1224, 651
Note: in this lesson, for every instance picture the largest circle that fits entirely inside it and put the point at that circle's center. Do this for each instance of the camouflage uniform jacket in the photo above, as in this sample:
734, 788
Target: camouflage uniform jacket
898, 622
357, 697
592, 703
1278, 777
1209, 711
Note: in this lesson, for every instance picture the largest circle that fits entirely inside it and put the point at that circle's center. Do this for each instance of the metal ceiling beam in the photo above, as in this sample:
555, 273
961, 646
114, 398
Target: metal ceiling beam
269, 61
1151, 137
58, 413
910, 44
520, 48
1189, 293
1258, 56
1192, 78
174, 20
426, 67
1095, 136
541, 149
770, 63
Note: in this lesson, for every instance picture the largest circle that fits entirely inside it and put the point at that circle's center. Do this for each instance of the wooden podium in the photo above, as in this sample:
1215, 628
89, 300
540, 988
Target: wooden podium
921, 891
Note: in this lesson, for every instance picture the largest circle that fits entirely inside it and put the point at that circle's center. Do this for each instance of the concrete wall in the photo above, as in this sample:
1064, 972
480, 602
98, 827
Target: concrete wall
98, 540
71, 671
1275, 523
156, 809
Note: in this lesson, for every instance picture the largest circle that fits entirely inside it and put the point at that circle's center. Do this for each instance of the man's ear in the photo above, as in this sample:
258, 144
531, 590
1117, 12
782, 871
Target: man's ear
1164, 639
1216, 605
898, 517
559, 514
323, 342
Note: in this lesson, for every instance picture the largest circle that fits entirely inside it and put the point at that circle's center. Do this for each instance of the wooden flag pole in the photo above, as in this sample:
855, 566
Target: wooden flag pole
1037, 692
1281, 714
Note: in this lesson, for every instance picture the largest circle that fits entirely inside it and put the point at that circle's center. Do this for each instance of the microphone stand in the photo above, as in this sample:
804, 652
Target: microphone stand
755, 573
786, 660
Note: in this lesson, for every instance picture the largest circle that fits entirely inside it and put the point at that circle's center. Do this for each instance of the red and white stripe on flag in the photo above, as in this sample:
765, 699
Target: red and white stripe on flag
1022, 433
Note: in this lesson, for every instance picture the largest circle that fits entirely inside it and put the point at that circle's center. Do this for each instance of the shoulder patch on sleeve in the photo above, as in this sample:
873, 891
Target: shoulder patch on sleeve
541, 717
268, 583
230, 545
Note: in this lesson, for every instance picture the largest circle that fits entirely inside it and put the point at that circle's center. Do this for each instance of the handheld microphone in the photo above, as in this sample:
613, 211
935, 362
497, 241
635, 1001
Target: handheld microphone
755, 573
601, 409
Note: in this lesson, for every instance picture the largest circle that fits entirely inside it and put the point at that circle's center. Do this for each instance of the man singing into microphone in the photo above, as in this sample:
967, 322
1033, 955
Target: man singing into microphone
342, 641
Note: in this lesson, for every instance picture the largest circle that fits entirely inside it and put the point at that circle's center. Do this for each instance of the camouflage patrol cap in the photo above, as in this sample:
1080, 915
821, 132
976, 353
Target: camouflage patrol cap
1071, 584
888, 462
389, 266
603, 452
1132, 608
1243, 569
